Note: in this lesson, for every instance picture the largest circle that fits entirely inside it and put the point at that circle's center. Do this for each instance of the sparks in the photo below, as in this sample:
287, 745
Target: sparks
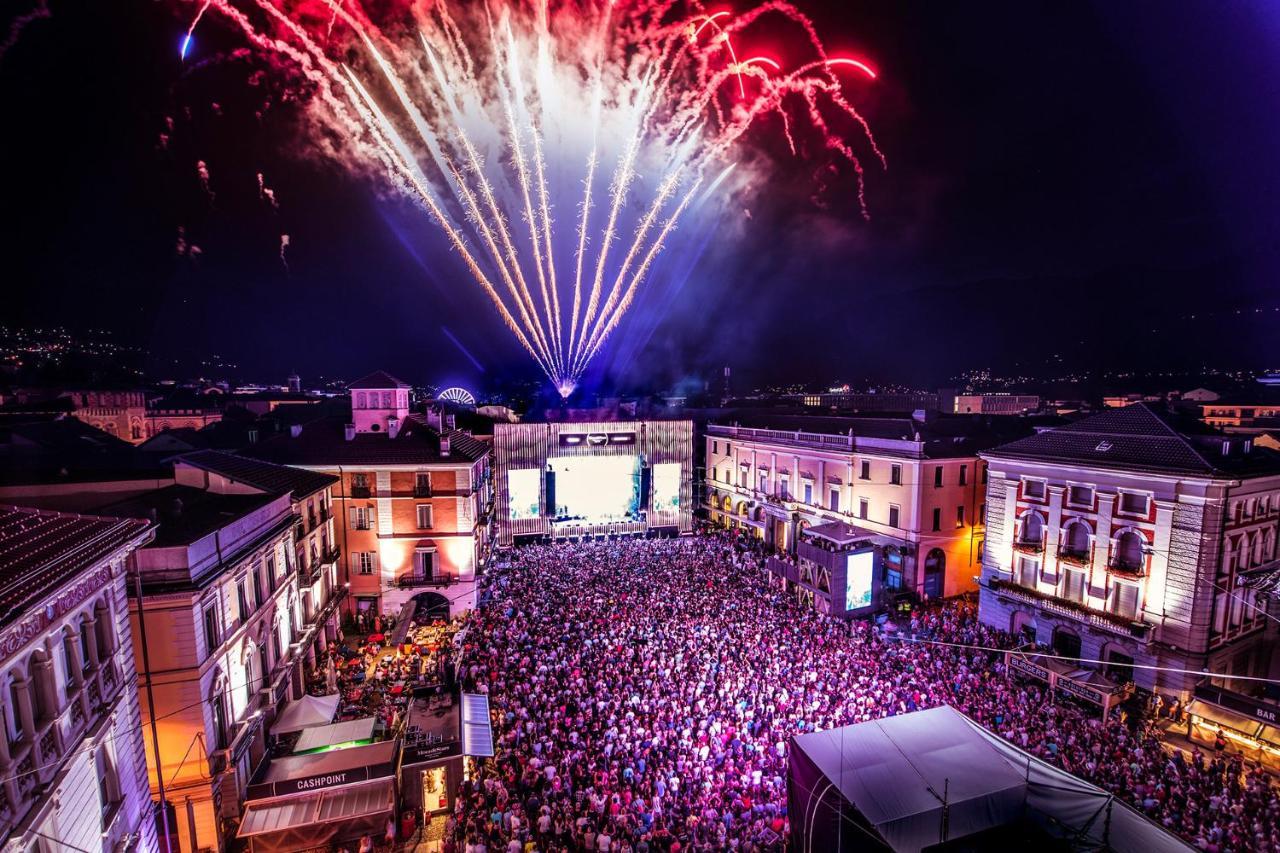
556, 145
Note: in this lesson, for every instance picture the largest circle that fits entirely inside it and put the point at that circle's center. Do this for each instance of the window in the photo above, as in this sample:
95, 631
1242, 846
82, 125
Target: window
1073, 585
1124, 599
1129, 552
360, 485
1033, 489
219, 709
937, 477
108, 786
257, 589
982, 513
808, 493
937, 518
895, 475
271, 565
243, 601
361, 518
1032, 529
360, 400
1076, 542
1132, 503
422, 484
959, 516
1080, 495
864, 508
834, 503
13, 719
984, 474
211, 638
364, 561
715, 447
783, 488
86, 660
864, 470
424, 516
764, 482
1028, 573
893, 516
964, 474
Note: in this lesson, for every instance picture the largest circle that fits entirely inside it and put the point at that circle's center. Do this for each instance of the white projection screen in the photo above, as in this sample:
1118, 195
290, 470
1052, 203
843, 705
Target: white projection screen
524, 485
857, 580
666, 486
596, 487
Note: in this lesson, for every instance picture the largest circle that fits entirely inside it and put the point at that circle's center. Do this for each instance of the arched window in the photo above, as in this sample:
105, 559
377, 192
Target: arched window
12, 717
935, 566
1128, 551
252, 674
1076, 541
1066, 642
1032, 528
86, 657
105, 630
40, 710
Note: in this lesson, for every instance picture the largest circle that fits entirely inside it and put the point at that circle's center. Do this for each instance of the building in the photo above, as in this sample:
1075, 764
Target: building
871, 401
1247, 418
995, 404
74, 772
185, 411
413, 495
1121, 538
914, 489
593, 478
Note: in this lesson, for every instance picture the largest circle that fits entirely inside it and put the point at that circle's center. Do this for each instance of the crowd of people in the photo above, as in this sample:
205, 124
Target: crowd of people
644, 692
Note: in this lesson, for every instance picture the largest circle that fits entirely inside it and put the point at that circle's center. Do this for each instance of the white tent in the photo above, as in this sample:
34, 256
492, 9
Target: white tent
306, 712
916, 780
318, 737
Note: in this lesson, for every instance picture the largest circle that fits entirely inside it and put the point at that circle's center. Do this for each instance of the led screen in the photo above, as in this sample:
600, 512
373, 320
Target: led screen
666, 486
596, 487
524, 490
857, 580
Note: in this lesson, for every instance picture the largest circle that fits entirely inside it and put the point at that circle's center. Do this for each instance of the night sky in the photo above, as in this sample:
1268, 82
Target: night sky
1091, 184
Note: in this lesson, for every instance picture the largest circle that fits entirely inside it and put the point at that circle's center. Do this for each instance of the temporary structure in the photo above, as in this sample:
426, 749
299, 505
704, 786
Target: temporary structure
306, 712
915, 781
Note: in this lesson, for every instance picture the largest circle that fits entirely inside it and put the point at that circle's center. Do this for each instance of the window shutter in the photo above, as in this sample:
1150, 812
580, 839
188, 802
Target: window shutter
352, 519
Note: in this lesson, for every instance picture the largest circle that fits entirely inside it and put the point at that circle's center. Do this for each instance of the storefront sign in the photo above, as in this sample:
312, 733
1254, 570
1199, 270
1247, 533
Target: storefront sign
1261, 711
319, 781
1026, 667
1081, 691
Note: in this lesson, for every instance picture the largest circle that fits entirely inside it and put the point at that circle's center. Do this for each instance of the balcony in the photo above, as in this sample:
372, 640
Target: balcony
1034, 546
422, 491
1073, 558
413, 581
331, 554
1127, 568
361, 492
1109, 622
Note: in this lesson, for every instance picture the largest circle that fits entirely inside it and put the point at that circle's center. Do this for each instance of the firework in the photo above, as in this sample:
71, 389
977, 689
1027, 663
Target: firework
556, 145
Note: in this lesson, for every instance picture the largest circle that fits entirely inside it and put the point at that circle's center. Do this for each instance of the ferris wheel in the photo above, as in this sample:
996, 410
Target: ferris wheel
458, 395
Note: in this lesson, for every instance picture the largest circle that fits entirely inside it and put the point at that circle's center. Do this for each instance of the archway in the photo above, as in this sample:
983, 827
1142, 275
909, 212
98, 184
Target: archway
1023, 624
935, 566
1066, 642
429, 606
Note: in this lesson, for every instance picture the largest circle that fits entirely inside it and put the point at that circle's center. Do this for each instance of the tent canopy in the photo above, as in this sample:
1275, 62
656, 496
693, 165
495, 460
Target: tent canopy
319, 737
306, 712
916, 780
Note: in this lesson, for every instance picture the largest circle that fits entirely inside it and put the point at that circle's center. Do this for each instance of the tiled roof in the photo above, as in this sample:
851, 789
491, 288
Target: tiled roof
379, 379
1139, 437
265, 476
323, 443
40, 550
187, 514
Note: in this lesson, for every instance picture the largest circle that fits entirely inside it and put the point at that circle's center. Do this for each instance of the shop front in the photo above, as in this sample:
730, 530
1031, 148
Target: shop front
317, 800
1249, 726
1067, 680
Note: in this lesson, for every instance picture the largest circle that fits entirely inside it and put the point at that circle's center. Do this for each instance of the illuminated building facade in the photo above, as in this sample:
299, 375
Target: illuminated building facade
587, 479
412, 500
221, 631
995, 404
914, 492
1130, 537
73, 773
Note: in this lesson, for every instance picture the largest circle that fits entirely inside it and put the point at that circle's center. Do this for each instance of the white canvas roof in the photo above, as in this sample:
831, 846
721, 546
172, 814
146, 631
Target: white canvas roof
344, 803
344, 732
306, 712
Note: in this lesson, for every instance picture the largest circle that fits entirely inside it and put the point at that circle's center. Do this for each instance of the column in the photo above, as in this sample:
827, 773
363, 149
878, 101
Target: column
91, 634
1102, 545
26, 715
1052, 534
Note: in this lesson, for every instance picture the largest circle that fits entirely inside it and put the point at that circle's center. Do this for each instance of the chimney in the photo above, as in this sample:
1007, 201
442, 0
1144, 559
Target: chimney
295, 430
393, 426
444, 445
349, 432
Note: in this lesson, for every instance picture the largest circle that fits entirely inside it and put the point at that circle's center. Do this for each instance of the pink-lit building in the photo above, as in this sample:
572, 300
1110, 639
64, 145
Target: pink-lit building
1134, 537
414, 496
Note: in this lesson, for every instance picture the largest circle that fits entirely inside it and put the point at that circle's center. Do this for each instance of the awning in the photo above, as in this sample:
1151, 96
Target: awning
321, 737
477, 731
1225, 717
345, 803
306, 712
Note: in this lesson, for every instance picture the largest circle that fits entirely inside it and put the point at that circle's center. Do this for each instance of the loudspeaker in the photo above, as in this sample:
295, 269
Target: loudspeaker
551, 494
646, 479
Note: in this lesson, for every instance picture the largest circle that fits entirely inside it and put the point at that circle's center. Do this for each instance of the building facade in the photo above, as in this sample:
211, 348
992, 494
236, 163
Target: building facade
73, 773
1120, 538
413, 498
995, 404
917, 495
